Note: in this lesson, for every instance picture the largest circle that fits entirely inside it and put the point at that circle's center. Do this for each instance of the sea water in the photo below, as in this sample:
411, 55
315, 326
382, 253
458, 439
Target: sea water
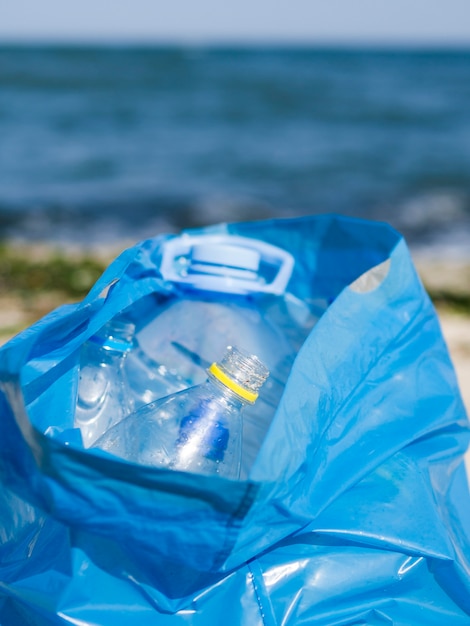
101, 143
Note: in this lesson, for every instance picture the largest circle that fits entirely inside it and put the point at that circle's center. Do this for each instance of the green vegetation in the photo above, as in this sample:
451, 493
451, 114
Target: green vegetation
28, 276
450, 300
34, 281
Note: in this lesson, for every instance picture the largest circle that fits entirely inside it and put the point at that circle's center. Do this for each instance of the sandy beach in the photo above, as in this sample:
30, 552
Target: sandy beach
456, 331
448, 283
452, 278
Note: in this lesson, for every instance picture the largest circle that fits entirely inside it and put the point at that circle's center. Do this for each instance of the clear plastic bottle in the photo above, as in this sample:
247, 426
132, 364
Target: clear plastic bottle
104, 396
223, 283
148, 379
196, 430
230, 290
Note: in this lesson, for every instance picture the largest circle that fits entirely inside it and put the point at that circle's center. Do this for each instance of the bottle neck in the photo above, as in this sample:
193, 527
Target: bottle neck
225, 394
243, 374
97, 353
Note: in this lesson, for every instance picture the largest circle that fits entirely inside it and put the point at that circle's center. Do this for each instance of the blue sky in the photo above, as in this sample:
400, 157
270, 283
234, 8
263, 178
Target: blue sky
355, 21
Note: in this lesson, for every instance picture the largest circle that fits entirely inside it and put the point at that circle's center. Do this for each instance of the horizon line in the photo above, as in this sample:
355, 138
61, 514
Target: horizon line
236, 42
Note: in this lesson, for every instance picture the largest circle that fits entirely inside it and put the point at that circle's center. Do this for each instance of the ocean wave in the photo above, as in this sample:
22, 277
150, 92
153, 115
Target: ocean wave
433, 223
103, 143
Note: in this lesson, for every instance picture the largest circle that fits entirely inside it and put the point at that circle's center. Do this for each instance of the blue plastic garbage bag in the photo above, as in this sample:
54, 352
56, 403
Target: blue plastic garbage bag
356, 510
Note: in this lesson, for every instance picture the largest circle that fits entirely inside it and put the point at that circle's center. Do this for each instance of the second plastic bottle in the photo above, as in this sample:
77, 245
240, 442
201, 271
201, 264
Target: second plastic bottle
196, 430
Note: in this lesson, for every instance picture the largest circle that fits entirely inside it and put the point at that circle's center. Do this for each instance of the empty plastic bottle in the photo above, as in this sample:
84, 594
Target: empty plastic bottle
149, 379
222, 282
196, 430
230, 290
104, 396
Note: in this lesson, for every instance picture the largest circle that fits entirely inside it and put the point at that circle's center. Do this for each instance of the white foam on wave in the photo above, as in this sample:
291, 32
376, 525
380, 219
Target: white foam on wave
434, 208
436, 224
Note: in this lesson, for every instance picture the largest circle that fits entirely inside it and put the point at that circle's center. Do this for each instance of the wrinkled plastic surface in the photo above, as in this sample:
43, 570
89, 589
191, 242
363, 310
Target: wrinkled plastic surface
357, 508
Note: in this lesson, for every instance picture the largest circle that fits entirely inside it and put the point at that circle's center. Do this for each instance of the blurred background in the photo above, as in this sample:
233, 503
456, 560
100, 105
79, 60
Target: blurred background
121, 122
